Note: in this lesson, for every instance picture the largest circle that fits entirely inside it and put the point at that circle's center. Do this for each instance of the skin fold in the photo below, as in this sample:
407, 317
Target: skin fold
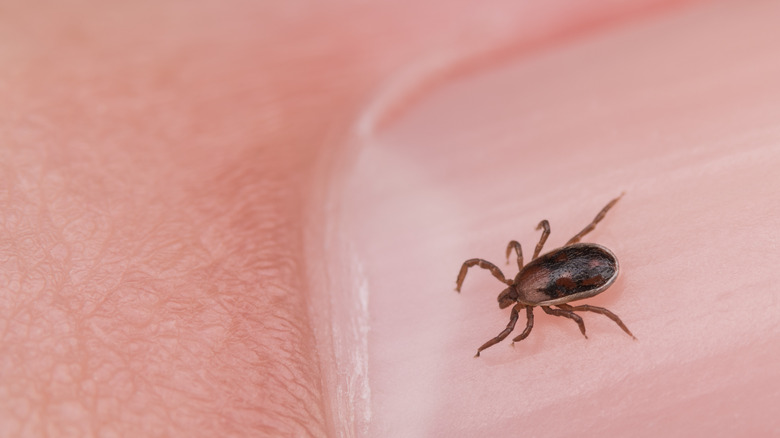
210, 214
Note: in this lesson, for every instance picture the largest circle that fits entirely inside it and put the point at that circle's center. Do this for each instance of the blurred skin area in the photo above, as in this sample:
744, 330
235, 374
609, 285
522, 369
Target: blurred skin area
166, 170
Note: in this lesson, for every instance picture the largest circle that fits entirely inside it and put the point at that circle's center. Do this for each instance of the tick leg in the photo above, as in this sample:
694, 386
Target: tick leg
509, 327
600, 310
596, 220
516, 246
482, 264
546, 225
567, 314
529, 313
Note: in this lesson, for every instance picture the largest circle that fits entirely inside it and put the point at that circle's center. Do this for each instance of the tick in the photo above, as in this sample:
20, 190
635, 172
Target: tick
570, 273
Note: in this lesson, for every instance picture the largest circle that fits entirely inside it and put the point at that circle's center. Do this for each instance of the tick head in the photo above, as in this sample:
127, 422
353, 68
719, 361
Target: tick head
507, 297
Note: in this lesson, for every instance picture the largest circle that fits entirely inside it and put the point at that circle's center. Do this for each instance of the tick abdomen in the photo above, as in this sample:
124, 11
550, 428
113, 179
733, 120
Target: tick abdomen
573, 272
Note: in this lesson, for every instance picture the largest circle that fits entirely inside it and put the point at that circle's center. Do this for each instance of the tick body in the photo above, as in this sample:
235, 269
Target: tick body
570, 273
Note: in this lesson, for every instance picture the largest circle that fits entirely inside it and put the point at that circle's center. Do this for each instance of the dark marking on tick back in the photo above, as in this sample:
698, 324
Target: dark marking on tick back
597, 280
570, 273
576, 269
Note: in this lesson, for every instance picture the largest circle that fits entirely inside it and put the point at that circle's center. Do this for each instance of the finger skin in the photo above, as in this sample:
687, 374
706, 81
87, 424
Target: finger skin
151, 281
689, 131
160, 161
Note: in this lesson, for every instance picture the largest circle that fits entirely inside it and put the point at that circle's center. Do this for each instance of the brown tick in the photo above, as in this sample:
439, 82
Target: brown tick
570, 273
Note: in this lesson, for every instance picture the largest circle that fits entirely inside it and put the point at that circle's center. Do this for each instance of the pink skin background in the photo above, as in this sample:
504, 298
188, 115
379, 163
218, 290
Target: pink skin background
246, 218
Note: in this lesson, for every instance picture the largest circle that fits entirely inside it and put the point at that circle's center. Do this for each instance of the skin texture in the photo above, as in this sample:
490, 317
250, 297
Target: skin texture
206, 207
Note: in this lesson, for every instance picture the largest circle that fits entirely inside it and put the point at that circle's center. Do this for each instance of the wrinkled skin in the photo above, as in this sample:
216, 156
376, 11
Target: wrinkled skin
159, 165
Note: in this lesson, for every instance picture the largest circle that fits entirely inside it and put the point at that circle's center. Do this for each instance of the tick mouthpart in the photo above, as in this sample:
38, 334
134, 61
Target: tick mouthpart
507, 297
